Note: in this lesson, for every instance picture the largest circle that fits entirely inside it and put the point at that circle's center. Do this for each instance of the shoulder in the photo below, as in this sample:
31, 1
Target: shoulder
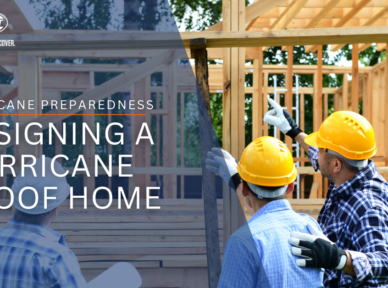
310, 220
372, 194
242, 240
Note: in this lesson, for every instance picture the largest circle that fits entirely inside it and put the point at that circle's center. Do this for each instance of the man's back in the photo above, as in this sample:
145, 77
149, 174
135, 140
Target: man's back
36, 256
259, 255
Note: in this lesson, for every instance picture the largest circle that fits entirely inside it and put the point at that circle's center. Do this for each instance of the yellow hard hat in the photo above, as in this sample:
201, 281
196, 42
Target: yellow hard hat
346, 133
267, 162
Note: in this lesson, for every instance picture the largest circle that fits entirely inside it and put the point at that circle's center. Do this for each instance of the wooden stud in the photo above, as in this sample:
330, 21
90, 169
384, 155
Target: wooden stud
380, 141
241, 100
257, 98
226, 123
234, 85
209, 187
336, 102
355, 78
325, 115
301, 126
89, 148
317, 103
182, 132
345, 92
386, 109
173, 118
147, 151
265, 102
28, 89
370, 97
288, 101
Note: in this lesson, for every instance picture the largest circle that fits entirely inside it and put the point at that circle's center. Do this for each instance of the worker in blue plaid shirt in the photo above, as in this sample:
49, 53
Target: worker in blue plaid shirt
353, 248
257, 255
31, 254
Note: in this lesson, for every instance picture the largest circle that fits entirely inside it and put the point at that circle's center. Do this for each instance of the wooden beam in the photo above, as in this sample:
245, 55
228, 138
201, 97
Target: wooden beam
386, 110
213, 53
370, 22
301, 126
355, 78
288, 103
345, 19
345, 92
317, 112
288, 14
208, 178
326, 9
226, 123
265, 102
29, 88
91, 40
257, 98
252, 12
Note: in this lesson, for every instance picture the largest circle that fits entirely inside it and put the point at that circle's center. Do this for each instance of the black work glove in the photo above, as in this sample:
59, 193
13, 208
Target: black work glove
317, 249
295, 130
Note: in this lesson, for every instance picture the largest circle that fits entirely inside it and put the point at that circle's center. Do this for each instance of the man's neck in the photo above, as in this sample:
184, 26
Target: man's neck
257, 204
344, 177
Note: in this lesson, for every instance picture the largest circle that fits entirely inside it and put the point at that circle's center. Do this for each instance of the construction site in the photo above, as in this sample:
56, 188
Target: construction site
168, 246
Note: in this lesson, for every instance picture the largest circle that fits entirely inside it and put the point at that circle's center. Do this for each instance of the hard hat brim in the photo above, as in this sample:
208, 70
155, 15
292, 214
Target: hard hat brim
311, 139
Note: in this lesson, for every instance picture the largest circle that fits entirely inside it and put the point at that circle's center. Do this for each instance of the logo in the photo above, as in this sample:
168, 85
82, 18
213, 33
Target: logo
3, 22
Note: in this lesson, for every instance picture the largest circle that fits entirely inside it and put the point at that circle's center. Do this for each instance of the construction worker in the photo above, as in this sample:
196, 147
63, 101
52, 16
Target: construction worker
354, 245
33, 255
258, 254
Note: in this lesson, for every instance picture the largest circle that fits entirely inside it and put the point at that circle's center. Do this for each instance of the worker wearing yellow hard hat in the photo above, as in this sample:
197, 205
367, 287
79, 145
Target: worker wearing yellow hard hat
258, 254
353, 247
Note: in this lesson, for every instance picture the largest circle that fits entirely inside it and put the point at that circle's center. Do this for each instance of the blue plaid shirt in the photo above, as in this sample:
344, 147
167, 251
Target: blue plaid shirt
355, 217
36, 256
259, 254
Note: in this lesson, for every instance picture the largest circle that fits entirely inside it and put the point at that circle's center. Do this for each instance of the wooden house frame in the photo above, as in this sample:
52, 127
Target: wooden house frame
242, 35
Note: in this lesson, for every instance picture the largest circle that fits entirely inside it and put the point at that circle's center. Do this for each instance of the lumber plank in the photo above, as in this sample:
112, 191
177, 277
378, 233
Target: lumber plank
345, 92
370, 22
386, 112
326, 9
88, 40
265, 102
139, 251
288, 100
206, 143
112, 232
137, 244
124, 238
106, 265
355, 78
348, 16
252, 12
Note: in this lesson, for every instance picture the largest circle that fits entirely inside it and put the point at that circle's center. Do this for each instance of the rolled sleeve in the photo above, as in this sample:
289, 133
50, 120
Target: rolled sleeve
361, 265
313, 157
